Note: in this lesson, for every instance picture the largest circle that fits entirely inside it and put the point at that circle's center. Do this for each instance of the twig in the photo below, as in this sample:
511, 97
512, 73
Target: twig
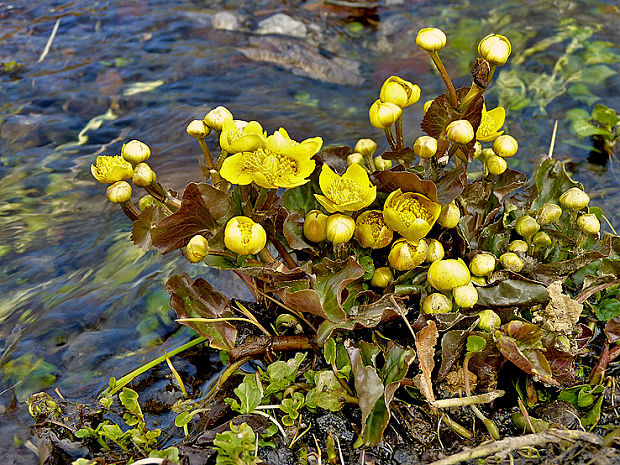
469, 400
261, 345
552, 144
587, 293
509, 444
49, 41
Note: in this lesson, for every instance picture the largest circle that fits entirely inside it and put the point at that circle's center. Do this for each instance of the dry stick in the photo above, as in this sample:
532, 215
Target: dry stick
469, 400
509, 444
49, 41
262, 345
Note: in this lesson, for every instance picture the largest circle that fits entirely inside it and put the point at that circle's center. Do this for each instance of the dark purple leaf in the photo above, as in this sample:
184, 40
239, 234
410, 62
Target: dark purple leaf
388, 181
141, 231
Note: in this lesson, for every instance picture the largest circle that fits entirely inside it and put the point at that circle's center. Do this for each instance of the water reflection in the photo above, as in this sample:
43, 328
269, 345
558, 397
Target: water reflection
77, 301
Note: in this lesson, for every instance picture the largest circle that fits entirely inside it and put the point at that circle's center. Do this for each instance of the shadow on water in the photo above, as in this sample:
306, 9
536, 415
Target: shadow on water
79, 303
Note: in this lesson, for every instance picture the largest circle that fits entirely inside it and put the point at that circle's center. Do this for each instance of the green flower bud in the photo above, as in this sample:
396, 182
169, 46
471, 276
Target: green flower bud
518, 246
589, 224
435, 251
495, 164
198, 129
541, 239
465, 296
431, 39
489, 321
527, 226
135, 152
405, 255
366, 147
427, 105
483, 264
486, 153
384, 114
445, 275
399, 92
549, 213
479, 280
436, 303
355, 158
119, 192
315, 226
381, 164
146, 202
495, 49
197, 248
574, 199
340, 228
243, 236
425, 147
505, 146
449, 216
216, 117
460, 131
285, 322
371, 230
382, 277
143, 175
511, 261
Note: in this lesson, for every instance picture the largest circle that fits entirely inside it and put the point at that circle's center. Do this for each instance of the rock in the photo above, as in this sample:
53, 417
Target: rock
304, 60
226, 21
282, 24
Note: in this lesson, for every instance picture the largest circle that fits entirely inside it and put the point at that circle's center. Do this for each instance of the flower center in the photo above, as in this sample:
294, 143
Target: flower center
272, 165
375, 221
344, 191
486, 126
411, 209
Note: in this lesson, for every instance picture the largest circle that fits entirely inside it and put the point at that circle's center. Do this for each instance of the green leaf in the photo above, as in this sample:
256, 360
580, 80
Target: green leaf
183, 419
512, 292
605, 115
249, 394
475, 344
597, 75
607, 309
301, 199
329, 351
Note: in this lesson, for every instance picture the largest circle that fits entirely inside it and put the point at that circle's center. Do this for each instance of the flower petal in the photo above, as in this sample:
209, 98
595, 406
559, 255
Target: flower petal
330, 206
234, 169
327, 177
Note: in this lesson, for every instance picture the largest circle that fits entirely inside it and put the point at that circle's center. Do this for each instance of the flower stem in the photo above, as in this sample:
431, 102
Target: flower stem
399, 133
215, 173
290, 263
266, 256
390, 139
445, 77
130, 210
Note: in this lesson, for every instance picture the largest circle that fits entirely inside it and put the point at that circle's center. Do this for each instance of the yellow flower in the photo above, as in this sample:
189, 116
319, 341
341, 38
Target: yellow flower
399, 92
315, 226
108, 169
382, 277
235, 140
495, 48
282, 162
490, 124
405, 255
350, 192
410, 214
384, 114
431, 39
340, 228
197, 248
135, 152
119, 192
371, 230
244, 236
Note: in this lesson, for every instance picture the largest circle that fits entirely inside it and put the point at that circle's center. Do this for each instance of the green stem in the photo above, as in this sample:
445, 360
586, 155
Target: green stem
245, 201
266, 256
130, 210
122, 382
399, 133
390, 139
215, 173
445, 77
474, 93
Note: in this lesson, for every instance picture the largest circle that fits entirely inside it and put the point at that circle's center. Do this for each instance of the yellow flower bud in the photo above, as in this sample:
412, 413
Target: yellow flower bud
399, 92
465, 296
574, 199
384, 114
505, 146
495, 49
488, 321
111, 169
198, 129
527, 226
315, 226
371, 230
479, 280
366, 147
549, 213
405, 255
485, 154
445, 275
146, 202
431, 39
483, 264
477, 149
356, 158
215, 118
381, 164
427, 105
511, 261
449, 216
425, 146
541, 239
518, 246
197, 248
382, 277
143, 175
436, 303
135, 152
435, 251
243, 236
496, 164
119, 192
340, 228
460, 131
589, 224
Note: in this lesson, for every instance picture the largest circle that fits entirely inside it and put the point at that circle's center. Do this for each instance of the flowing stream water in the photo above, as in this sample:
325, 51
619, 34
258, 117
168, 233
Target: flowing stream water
78, 302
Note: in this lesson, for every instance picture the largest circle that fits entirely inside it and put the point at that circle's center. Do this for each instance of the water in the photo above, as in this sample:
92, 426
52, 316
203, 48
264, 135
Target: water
79, 303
